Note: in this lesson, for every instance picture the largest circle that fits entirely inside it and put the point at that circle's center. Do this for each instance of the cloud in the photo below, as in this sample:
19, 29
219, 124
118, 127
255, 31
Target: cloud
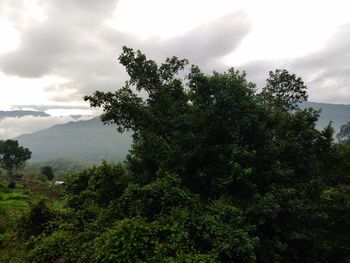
74, 42
65, 45
326, 71
79, 41
67, 35
48, 107
205, 45
13, 127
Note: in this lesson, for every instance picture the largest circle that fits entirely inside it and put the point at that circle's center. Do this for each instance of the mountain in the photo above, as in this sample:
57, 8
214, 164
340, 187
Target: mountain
82, 140
92, 141
21, 113
338, 114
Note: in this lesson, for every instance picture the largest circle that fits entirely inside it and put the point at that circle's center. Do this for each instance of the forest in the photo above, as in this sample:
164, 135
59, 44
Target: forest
218, 171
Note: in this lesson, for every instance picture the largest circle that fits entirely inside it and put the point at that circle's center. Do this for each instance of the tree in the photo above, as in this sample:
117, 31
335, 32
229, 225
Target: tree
47, 172
217, 173
13, 157
344, 135
284, 89
225, 140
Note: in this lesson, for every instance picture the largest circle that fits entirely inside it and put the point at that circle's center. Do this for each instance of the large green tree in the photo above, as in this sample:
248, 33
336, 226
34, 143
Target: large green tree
13, 157
218, 172
284, 89
224, 139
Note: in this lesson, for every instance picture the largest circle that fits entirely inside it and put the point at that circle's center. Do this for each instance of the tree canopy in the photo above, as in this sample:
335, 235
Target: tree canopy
47, 171
13, 157
344, 134
218, 172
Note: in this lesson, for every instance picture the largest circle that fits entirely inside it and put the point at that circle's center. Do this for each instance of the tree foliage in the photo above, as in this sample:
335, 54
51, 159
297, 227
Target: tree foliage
344, 134
217, 173
284, 89
47, 171
13, 157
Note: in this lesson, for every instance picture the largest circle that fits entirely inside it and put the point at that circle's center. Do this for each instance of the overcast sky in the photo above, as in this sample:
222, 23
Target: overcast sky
53, 52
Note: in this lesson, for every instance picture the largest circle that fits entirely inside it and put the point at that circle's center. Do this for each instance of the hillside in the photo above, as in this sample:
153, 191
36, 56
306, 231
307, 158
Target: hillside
339, 114
92, 141
82, 140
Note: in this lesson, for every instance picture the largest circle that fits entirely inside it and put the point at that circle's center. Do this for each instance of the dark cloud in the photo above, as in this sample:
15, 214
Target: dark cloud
40, 50
74, 42
67, 36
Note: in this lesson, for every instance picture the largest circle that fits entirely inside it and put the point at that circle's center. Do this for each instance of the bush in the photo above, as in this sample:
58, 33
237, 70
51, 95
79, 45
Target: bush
50, 248
101, 185
155, 198
35, 221
135, 240
11, 185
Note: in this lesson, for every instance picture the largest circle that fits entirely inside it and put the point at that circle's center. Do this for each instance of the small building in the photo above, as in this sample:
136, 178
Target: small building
59, 183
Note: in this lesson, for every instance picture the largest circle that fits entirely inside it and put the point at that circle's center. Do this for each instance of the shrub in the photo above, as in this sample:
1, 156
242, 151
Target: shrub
11, 185
49, 248
35, 221
135, 240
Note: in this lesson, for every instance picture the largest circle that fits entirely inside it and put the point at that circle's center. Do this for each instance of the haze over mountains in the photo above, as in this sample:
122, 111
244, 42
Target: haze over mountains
22, 113
90, 140
339, 114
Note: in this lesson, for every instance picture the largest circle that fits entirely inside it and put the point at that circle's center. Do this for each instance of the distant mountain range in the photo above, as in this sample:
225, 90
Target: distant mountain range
92, 141
82, 140
338, 114
22, 113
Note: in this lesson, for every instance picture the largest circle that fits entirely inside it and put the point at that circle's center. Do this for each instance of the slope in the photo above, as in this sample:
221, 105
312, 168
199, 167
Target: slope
82, 140
338, 114
92, 141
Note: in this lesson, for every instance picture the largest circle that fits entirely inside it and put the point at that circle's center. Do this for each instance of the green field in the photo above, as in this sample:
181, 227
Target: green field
13, 204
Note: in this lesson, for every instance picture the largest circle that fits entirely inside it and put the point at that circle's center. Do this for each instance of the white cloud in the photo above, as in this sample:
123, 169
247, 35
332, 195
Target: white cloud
168, 19
68, 112
17, 90
55, 52
325, 71
13, 127
288, 29
11, 41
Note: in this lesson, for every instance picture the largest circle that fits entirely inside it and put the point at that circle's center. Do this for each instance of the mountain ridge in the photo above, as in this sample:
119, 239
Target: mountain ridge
91, 140
86, 140
22, 113
338, 114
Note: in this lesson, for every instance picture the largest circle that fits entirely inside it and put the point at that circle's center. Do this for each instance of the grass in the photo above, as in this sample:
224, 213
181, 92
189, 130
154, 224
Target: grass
13, 252
58, 203
14, 199
13, 204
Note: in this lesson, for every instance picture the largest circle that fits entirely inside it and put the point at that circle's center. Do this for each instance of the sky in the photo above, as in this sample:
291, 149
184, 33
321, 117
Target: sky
53, 52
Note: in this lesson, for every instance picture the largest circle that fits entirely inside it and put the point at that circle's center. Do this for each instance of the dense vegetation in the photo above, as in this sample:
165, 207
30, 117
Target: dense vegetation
217, 173
61, 167
12, 158
15, 204
90, 141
